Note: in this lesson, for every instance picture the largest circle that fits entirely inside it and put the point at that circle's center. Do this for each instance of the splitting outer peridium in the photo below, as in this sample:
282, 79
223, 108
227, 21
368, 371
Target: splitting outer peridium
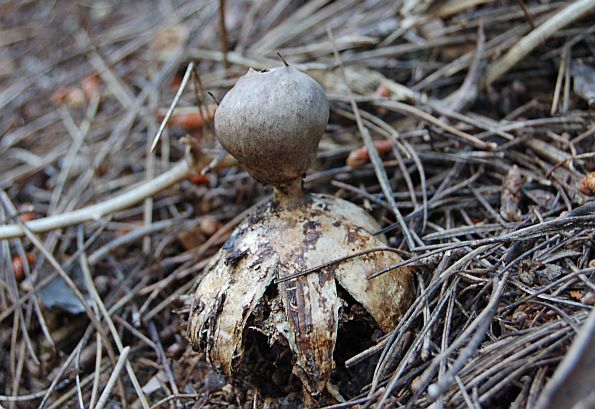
278, 240
219, 310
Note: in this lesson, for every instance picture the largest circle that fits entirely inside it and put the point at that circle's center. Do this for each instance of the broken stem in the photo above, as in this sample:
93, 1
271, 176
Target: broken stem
95, 212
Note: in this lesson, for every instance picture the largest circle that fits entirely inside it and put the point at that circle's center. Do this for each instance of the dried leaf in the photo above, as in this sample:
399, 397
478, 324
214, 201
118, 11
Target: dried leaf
361, 156
18, 267
587, 185
189, 118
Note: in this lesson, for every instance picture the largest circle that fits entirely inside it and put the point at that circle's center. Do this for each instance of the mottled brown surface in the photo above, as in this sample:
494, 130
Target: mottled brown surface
282, 240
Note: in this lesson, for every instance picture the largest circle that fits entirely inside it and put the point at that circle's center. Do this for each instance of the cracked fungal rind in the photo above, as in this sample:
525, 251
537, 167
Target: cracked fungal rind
277, 241
236, 280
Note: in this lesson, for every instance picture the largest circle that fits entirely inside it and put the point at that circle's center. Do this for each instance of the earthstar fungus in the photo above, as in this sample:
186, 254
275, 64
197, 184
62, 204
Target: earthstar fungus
272, 122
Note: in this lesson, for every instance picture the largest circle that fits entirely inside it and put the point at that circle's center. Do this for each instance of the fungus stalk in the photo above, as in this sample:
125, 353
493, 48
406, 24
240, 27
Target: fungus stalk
290, 192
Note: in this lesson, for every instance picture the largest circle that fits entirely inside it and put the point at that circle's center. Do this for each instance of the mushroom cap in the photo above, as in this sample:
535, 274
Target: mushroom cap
272, 121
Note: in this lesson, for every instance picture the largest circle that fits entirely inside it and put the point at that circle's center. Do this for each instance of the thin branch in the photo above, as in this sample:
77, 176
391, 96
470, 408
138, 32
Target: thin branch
173, 105
95, 212
224, 40
113, 377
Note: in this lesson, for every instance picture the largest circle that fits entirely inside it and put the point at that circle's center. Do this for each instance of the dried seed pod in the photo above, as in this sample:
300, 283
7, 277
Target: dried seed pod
272, 121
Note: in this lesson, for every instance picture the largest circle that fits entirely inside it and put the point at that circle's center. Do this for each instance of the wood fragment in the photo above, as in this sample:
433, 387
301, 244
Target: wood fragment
510, 196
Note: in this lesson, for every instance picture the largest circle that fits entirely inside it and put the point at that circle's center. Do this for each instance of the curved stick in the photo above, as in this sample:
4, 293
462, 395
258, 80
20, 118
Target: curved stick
179, 172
